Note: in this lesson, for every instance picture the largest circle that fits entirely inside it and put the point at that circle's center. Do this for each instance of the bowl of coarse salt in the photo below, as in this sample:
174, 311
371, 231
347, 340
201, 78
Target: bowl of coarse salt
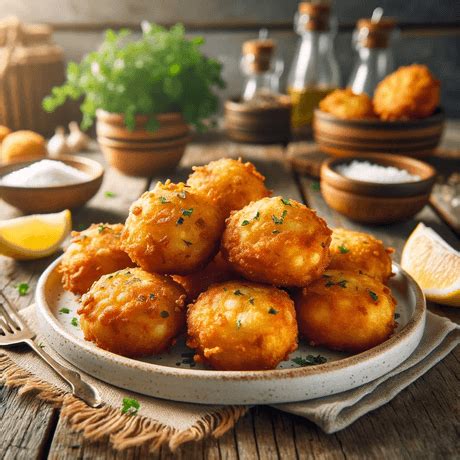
50, 185
377, 188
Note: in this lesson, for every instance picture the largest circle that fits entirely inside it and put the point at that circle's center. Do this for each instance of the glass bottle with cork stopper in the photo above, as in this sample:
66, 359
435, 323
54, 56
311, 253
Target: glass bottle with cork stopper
261, 68
375, 58
314, 72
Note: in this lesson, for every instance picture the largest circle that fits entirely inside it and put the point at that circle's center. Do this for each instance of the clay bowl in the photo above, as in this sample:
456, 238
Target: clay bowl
140, 152
34, 200
376, 203
258, 124
344, 138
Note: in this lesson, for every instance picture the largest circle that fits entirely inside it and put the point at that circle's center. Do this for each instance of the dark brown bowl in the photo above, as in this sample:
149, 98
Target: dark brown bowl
371, 202
34, 200
344, 138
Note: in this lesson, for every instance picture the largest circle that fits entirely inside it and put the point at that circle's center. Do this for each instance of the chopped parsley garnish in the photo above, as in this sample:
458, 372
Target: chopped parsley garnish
180, 221
279, 220
343, 249
110, 194
187, 212
256, 217
315, 186
238, 292
182, 194
164, 314
272, 311
238, 323
40, 345
252, 300
188, 243
244, 223
374, 296
101, 228
151, 296
130, 406
309, 360
74, 321
64, 310
275, 232
23, 288
341, 283
286, 202
163, 200
397, 315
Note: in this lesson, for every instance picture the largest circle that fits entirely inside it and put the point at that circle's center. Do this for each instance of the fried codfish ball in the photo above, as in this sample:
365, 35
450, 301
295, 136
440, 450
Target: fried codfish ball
217, 271
172, 229
229, 184
277, 241
344, 103
346, 311
133, 313
409, 92
360, 252
92, 253
242, 326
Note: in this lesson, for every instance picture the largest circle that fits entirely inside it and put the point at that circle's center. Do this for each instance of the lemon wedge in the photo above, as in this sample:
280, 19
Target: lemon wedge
35, 236
434, 265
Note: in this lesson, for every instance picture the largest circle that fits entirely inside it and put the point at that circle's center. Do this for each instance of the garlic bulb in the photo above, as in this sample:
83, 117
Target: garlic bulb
77, 139
57, 145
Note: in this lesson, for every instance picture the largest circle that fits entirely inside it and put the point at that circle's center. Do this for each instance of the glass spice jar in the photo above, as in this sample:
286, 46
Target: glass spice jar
314, 72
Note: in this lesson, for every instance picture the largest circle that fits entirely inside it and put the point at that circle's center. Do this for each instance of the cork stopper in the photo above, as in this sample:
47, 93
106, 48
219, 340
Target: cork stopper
375, 32
262, 52
317, 15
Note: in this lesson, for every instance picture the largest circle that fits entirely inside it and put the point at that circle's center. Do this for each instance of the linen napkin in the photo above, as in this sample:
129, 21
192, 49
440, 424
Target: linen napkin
166, 422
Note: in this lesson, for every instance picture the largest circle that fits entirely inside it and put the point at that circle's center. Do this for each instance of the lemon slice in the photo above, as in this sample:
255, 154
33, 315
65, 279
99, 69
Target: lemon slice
35, 236
434, 265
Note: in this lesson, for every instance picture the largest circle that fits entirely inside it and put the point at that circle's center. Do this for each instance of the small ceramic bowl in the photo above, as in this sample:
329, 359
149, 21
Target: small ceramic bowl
34, 200
372, 202
344, 138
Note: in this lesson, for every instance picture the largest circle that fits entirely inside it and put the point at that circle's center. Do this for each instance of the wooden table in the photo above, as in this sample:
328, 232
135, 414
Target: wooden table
421, 422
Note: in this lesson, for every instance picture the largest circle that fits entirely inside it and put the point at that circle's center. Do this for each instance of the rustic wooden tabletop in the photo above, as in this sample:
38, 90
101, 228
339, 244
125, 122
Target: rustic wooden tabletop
421, 422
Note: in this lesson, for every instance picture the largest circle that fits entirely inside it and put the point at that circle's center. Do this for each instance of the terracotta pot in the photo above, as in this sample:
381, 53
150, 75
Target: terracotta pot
141, 152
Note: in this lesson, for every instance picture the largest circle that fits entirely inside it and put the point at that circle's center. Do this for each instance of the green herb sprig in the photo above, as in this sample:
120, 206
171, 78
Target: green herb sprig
309, 360
130, 406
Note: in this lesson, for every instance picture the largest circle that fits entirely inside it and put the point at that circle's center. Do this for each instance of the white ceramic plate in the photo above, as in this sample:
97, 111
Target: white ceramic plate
172, 375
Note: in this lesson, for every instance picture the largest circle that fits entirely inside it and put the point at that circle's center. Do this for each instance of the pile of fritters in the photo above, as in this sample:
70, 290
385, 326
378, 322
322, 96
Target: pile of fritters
409, 93
236, 255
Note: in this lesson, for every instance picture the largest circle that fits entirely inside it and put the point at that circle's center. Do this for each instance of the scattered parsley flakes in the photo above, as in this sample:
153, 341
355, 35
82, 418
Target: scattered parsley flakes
101, 228
40, 345
238, 323
108, 194
151, 296
272, 311
163, 200
164, 314
279, 220
74, 321
188, 243
64, 310
187, 212
397, 315
315, 186
309, 360
343, 249
130, 406
374, 296
244, 223
275, 232
342, 283
256, 217
286, 202
238, 292
252, 300
180, 221
23, 289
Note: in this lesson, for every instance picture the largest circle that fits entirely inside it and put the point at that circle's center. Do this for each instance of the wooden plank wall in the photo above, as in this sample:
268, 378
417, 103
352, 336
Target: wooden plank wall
429, 30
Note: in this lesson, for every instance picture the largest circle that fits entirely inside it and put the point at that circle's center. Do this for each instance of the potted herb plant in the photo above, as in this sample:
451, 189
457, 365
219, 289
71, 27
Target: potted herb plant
145, 95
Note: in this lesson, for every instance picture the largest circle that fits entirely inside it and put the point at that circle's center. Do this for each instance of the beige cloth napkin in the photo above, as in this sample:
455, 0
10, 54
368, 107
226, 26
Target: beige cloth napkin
160, 421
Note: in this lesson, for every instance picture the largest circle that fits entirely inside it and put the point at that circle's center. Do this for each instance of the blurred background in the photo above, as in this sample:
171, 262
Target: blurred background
429, 30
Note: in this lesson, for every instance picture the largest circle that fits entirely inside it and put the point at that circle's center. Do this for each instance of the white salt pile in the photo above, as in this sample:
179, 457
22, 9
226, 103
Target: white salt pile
45, 173
370, 172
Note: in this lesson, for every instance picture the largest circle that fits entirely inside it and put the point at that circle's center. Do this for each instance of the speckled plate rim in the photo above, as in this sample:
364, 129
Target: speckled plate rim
412, 326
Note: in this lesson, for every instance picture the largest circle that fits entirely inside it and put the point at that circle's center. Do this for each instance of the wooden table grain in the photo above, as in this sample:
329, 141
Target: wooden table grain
421, 422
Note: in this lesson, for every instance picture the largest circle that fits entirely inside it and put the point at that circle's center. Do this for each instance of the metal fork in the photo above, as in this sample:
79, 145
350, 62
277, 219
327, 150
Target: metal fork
13, 331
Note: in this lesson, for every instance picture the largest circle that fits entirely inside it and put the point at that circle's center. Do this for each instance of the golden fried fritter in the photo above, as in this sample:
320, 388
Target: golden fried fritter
241, 325
409, 92
172, 229
217, 271
360, 252
346, 311
230, 184
277, 241
344, 103
92, 253
133, 313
